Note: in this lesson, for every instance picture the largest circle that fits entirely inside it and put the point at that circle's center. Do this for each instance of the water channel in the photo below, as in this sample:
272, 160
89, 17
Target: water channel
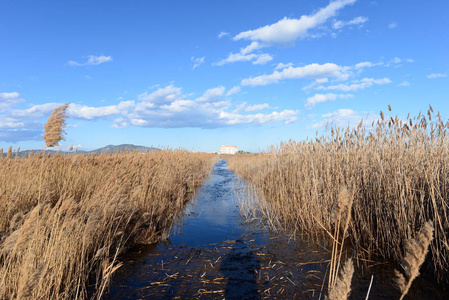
215, 253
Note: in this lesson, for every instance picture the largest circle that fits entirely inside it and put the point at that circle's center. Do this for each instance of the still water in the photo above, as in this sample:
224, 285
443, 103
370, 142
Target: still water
215, 253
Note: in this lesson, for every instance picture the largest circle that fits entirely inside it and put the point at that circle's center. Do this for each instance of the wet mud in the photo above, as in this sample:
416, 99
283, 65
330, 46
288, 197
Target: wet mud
215, 253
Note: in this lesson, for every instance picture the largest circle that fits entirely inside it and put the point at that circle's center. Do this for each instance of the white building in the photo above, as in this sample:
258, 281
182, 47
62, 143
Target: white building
228, 150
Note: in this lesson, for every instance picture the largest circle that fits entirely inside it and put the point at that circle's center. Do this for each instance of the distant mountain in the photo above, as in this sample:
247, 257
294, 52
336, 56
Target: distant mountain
107, 149
125, 148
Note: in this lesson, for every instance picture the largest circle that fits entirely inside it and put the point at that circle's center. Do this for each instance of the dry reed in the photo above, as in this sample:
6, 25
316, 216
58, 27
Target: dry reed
93, 208
415, 254
342, 286
54, 128
396, 170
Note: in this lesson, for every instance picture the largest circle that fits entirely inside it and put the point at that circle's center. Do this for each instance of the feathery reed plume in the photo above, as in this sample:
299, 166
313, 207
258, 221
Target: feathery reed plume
382, 115
54, 128
415, 253
9, 155
389, 107
342, 287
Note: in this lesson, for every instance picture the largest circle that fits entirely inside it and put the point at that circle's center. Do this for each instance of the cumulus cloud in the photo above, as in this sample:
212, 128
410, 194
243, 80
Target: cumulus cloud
287, 30
91, 113
250, 48
281, 66
355, 85
166, 107
234, 90
164, 95
9, 99
212, 94
257, 59
250, 108
355, 21
211, 109
197, 61
319, 98
36, 111
92, 61
313, 71
262, 59
286, 116
436, 75
367, 64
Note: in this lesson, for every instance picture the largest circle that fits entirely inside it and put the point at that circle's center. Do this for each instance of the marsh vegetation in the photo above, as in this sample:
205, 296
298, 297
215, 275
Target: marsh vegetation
397, 177
66, 219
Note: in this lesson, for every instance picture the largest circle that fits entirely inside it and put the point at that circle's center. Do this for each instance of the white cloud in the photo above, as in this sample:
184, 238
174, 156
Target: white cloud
164, 95
92, 61
257, 59
286, 31
36, 111
262, 59
436, 75
283, 66
234, 90
212, 94
197, 61
355, 85
404, 83
319, 98
222, 34
250, 48
166, 107
91, 113
392, 25
313, 71
367, 64
234, 57
250, 108
355, 21
286, 116
9, 99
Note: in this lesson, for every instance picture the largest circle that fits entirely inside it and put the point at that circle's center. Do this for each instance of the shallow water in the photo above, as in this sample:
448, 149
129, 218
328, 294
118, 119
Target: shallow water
214, 253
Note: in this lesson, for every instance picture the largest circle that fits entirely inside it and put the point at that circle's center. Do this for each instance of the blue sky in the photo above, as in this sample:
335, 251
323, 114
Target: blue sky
201, 74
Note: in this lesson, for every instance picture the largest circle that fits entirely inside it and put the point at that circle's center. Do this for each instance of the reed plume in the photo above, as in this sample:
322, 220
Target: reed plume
415, 254
342, 287
54, 128
9, 155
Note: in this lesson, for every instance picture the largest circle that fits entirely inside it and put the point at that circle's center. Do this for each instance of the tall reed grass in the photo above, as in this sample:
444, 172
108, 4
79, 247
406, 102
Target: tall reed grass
397, 171
91, 209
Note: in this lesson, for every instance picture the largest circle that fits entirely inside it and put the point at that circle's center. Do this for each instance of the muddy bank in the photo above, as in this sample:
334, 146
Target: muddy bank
215, 253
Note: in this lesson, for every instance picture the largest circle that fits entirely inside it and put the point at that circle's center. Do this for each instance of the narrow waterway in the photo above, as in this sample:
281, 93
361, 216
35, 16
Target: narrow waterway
214, 253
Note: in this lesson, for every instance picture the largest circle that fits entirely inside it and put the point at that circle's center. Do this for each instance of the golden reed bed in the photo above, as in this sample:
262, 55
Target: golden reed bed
65, 219
397, 172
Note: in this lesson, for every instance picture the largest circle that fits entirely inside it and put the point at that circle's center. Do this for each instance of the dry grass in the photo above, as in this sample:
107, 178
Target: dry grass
342, 286
397, 172
415, 254
92, 208
54, 128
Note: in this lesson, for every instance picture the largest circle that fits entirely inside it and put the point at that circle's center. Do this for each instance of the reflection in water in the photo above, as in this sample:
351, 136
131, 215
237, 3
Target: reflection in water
240, 267
214, 254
